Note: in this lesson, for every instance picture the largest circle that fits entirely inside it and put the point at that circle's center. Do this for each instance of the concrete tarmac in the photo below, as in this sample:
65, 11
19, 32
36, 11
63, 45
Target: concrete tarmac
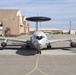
26, 62
60, 60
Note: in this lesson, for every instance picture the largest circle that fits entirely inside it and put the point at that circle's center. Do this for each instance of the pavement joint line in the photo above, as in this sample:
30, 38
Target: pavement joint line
36, 67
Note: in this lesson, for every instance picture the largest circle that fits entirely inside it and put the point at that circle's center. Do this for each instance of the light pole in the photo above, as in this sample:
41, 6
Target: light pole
70, 27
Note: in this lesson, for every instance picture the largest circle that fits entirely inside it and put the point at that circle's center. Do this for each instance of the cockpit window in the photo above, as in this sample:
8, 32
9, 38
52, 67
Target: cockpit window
39, 37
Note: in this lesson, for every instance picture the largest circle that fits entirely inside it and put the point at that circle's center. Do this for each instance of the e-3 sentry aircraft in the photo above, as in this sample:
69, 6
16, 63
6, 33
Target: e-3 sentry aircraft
39, 39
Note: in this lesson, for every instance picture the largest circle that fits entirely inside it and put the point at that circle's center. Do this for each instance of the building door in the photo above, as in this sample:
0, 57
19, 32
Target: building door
7, 31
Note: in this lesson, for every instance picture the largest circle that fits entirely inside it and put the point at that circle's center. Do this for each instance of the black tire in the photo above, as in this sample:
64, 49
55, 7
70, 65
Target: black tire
27, 46
38, 52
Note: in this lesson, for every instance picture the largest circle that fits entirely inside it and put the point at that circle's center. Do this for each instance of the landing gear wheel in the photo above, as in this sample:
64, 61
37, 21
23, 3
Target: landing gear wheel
27, 46
73, 44
38, 52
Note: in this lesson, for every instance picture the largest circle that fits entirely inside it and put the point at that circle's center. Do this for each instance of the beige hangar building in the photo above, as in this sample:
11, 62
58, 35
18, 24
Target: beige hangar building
12, 23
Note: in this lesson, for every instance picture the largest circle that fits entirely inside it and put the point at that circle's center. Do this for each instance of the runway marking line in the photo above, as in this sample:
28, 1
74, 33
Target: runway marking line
36, 67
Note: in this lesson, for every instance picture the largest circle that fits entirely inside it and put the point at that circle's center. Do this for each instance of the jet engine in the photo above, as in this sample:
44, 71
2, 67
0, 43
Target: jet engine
4, 44
73, 44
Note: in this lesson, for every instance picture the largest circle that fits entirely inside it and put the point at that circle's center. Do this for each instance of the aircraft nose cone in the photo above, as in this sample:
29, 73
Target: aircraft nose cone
39, 42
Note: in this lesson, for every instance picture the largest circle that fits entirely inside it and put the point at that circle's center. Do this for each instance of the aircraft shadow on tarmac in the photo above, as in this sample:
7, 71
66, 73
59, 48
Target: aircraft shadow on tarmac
30, 52
20, 50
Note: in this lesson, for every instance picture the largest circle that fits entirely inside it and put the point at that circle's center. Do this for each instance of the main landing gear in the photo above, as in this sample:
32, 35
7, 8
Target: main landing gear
48, 46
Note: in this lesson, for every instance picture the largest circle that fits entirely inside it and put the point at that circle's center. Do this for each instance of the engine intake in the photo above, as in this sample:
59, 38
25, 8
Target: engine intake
3, 44
73, 44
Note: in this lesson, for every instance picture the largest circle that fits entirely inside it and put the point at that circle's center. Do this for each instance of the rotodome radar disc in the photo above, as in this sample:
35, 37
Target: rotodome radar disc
38, 19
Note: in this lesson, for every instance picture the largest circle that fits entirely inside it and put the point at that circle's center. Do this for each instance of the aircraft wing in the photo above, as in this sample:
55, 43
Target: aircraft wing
15, 39
61, 40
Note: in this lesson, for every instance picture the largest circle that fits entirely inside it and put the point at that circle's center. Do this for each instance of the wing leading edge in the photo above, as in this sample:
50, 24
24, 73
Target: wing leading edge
14, 39
61, 40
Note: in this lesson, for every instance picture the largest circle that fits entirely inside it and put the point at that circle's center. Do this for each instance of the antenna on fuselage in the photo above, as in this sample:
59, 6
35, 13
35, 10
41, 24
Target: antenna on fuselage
38, 19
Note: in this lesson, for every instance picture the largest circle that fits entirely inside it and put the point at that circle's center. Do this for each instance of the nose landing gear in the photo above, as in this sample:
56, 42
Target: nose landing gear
38, 51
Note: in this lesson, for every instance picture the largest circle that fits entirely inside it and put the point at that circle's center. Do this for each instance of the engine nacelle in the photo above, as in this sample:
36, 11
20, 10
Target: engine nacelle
73, 44
4, 44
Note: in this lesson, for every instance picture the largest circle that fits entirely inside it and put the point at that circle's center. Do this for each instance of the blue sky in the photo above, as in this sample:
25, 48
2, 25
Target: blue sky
60, 11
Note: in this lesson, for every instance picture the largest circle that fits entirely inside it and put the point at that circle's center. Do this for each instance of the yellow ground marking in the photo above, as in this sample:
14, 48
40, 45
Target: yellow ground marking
36, 67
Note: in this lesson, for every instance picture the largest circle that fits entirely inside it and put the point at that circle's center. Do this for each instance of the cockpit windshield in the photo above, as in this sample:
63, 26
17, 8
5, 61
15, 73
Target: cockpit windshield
39, 37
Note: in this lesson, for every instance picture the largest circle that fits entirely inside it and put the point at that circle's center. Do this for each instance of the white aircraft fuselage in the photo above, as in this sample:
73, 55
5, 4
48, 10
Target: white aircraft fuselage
39, 40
